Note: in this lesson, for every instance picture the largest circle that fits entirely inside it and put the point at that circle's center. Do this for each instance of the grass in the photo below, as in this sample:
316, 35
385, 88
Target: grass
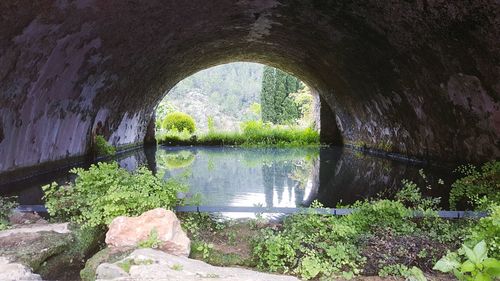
254, 133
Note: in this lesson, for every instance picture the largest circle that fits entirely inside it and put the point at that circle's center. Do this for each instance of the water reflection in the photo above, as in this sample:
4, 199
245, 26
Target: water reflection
242, 177
268, 177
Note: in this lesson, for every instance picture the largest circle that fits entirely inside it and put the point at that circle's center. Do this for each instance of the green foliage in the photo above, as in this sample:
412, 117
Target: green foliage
386, 214
179, 121
177, 267
310, 245
175, 160
476, 266
411, 196
255, 133
174, 137
322, 246
478, 188
304, 101
103, 148
393, 270
6, 206
152, 241
106, 191
278, 107
196, 223
203, 248
488, 230
231, 87
415, 274
211, 124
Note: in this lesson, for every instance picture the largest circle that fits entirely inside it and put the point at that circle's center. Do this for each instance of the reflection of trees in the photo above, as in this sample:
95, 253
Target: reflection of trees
293, 174
175, 159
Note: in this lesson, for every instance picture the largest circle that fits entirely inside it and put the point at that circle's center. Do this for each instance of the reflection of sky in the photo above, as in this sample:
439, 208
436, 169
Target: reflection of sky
244, 177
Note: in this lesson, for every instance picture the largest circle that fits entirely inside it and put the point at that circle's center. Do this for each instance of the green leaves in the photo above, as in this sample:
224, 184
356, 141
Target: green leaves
447, 263
477, 266
106, 191
179, 121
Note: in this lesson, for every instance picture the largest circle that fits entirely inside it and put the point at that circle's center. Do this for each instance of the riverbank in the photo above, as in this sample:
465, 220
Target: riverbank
253, 134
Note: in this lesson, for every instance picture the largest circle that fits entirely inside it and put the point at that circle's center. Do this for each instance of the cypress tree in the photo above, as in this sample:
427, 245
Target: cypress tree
277, 106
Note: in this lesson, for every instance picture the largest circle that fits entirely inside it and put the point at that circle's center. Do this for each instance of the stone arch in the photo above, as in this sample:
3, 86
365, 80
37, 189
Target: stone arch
418, 78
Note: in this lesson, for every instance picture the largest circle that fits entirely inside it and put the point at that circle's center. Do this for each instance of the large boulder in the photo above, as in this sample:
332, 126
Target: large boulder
10, 271
54, 251
150, 264
130, 231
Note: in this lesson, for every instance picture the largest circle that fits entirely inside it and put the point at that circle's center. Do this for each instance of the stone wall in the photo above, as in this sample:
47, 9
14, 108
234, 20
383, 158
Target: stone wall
420, 78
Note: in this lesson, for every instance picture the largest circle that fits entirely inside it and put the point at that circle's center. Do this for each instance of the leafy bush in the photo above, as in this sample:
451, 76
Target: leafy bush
310, 245
314, 245
488, 230
175, 160
106, 191
180, 121
478, 188
6, 206
476, 267
103, 148
174, 137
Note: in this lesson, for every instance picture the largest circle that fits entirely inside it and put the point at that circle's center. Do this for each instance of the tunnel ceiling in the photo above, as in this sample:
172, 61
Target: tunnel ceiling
420, 78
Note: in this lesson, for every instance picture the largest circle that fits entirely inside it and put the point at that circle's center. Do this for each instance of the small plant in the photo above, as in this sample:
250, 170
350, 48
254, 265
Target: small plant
152, 241
478, 188
205, 249
476, 267
6, 206
393, 270
103, 148
211, 124
415, 274
487, 229
180, 121
126, 265
177, 267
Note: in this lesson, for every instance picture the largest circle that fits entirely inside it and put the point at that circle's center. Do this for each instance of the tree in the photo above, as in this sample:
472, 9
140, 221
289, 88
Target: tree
277, 105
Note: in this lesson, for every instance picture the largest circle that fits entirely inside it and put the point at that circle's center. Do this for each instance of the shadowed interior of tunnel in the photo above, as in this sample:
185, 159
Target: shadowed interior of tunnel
406, 78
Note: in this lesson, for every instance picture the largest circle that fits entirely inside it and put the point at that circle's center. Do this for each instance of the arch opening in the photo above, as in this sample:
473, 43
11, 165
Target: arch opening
228, 96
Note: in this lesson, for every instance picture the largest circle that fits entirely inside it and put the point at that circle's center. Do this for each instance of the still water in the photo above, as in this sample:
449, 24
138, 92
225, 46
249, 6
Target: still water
267, 177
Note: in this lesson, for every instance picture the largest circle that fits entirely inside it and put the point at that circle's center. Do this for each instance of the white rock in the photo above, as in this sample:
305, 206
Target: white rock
32, 228
150, 264
15, 271
110, 271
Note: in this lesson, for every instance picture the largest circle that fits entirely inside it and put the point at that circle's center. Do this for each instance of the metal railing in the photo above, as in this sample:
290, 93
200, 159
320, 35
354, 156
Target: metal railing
280, 210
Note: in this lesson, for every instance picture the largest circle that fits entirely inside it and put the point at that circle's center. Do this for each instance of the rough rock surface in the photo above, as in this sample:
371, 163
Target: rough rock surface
51, 250
129, 231
149, 264
15, 272
35, 228
420, 78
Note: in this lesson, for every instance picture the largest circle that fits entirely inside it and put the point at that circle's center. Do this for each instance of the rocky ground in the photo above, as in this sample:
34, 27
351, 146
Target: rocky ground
33, 249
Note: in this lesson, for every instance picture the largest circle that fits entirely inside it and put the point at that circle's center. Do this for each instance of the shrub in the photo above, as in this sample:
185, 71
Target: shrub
103, 148
106, 191
383, 232
180, 121
6, 206
174, 137
476, 267
488, 230
478, 188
